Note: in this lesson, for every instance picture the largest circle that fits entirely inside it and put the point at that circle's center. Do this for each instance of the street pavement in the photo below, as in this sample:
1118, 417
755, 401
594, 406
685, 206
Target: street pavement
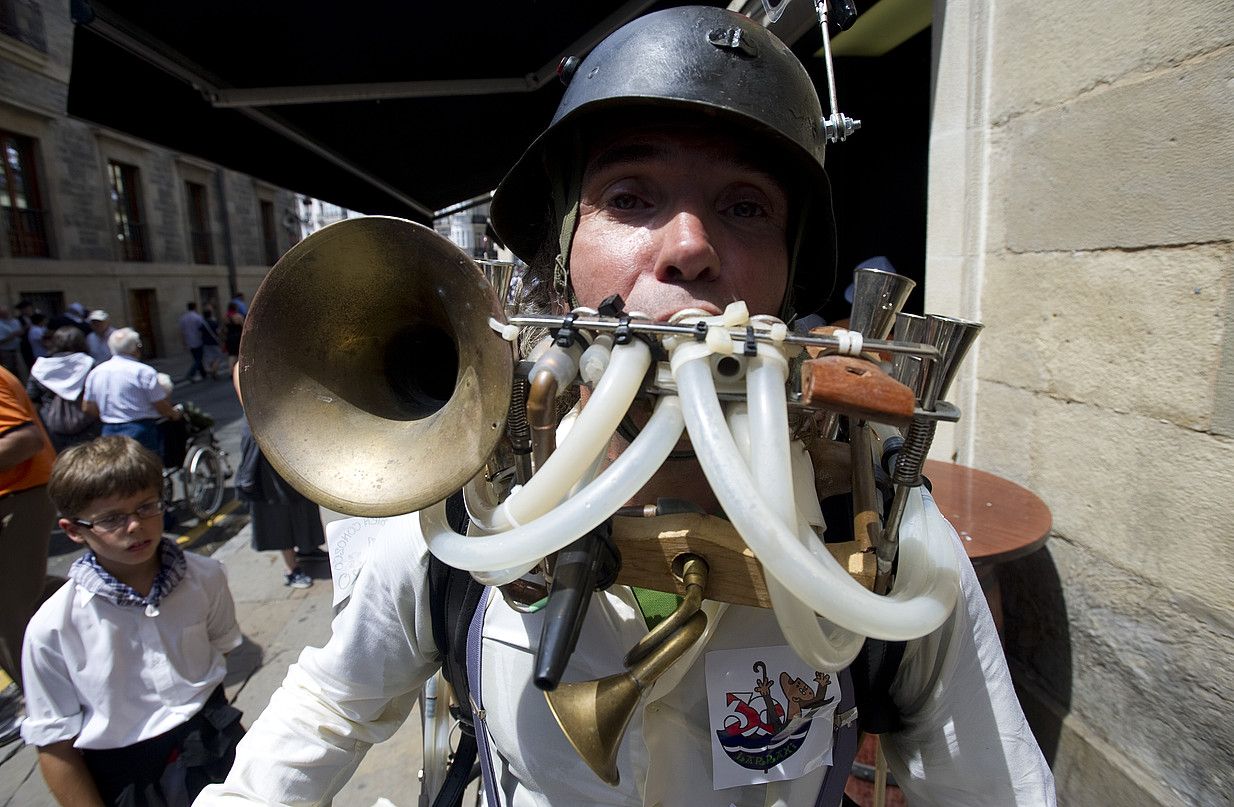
277, 621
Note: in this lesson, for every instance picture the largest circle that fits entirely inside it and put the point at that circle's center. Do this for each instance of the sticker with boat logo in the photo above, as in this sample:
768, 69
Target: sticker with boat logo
771, 715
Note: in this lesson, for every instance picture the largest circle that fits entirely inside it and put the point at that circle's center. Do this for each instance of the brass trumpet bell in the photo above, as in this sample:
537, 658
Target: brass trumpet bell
594, 714
369, 372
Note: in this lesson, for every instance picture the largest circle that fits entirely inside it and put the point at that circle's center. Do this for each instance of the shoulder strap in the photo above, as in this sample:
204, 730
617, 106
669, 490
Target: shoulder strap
454, 596
872, 672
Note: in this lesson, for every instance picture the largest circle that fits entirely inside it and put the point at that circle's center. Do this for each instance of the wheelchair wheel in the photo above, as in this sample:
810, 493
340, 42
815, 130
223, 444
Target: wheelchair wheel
203, 481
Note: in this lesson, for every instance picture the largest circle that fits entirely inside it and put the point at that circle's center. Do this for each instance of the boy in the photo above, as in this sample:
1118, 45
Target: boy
124, 664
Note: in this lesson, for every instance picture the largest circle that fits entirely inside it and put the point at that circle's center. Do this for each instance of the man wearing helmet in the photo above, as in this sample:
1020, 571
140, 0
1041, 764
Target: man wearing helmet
683, 170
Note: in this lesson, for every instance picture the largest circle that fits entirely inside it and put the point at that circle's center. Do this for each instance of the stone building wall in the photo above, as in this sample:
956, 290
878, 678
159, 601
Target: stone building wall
72, 156
1082, 206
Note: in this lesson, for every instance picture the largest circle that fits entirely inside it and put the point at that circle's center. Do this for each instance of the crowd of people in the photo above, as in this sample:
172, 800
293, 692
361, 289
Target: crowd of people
81, 447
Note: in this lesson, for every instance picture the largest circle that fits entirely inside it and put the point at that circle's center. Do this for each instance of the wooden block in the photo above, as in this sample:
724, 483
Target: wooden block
649, 546
855, 387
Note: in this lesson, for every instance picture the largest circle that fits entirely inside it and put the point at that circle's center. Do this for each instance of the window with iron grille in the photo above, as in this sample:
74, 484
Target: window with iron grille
269, 234
126, 211
199, 223
21, 201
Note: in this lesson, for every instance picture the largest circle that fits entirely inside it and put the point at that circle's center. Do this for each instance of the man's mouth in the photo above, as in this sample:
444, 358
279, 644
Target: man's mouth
137, 547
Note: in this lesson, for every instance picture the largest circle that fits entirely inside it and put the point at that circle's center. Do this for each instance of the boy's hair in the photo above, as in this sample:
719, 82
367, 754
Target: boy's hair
104, 467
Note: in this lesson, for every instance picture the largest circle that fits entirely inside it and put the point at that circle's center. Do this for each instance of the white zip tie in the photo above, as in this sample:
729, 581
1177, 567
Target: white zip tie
778, 332
506, 332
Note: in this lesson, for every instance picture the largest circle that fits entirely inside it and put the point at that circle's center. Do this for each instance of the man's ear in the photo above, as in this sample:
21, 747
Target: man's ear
72, 530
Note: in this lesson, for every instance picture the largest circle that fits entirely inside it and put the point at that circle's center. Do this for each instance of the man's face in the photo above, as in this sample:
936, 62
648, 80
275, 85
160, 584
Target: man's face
678, 217
99, 326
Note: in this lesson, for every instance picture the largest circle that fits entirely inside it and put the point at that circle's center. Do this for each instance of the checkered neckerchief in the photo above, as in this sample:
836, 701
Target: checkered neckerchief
87, 573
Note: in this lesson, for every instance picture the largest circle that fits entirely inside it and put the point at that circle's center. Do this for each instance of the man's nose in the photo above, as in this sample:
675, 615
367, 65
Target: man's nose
686, 250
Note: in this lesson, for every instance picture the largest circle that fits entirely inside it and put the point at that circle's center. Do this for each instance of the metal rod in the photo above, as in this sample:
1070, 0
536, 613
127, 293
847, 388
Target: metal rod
737, 334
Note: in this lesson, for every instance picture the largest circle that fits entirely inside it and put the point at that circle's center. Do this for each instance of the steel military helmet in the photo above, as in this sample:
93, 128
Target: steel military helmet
699, 60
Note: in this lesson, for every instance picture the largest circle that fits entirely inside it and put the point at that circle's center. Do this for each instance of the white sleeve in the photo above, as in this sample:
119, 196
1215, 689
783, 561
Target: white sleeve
53, 709
221, 623
964, 740
339, 700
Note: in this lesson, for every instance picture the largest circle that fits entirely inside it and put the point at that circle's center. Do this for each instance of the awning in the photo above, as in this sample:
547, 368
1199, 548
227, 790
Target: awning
400, 108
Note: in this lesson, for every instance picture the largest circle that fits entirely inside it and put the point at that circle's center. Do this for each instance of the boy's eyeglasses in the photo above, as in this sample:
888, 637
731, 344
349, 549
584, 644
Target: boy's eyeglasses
111, 523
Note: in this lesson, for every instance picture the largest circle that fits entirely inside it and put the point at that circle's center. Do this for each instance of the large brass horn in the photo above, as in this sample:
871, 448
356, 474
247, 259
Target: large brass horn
370, 374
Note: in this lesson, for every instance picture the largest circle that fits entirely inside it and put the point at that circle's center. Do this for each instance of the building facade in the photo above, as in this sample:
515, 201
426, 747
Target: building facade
91, 215
1081, 204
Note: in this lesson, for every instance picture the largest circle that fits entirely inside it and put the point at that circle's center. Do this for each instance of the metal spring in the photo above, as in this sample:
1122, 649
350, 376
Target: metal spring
516, 421
912, 457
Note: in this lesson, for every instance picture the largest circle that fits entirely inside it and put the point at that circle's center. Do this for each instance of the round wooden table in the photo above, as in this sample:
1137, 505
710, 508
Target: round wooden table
997, 521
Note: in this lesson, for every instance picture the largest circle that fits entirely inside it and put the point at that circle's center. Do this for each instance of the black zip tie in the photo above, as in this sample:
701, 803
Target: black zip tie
622, 335
566, 333
751, 348
700, 331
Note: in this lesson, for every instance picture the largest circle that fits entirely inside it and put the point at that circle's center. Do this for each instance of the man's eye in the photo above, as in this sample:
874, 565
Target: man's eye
624, 201
748, 209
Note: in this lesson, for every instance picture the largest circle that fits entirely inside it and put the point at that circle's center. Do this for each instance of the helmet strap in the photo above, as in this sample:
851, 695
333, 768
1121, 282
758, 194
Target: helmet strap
566, 189
797, 238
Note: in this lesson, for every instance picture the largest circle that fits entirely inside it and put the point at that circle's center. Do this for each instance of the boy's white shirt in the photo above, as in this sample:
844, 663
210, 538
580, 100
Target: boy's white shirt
110, 676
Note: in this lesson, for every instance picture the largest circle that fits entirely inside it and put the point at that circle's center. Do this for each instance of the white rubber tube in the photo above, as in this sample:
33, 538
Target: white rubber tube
766, 374
524, 546
592, 432
930, 567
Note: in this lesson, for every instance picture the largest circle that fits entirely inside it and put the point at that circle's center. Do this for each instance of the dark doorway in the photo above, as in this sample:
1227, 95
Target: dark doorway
144, 313
878, 176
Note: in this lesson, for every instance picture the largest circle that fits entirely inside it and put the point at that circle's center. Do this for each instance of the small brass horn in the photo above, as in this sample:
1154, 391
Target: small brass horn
370, 375
594, 714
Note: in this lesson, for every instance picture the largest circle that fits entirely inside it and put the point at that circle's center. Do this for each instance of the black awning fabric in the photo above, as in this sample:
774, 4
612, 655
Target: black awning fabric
436, 151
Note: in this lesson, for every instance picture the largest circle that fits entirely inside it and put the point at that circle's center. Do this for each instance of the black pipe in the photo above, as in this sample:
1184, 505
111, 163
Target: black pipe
590, 563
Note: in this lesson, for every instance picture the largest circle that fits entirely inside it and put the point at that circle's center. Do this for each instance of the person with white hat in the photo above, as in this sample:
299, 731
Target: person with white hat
100, 330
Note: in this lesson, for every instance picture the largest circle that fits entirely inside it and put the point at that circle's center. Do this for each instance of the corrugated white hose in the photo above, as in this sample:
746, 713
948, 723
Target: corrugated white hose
766, 375
930, 566
524, 546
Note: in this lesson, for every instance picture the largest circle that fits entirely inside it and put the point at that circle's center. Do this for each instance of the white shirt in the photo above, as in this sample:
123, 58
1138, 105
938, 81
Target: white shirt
124, 390
97, 347
111, 676
966, 741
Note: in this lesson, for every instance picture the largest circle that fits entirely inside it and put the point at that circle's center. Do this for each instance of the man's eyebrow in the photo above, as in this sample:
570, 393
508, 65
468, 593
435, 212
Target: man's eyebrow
643, 152
626, 153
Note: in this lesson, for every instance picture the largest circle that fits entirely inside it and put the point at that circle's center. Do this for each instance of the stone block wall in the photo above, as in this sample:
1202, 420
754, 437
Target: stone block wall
72, 163
1093, 232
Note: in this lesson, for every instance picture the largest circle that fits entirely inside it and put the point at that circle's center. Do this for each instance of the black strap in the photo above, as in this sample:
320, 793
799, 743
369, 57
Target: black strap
459, 774
872, 672
454, 596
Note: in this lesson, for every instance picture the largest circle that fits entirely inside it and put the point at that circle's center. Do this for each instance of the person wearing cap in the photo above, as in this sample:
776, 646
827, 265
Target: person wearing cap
74, 315
682, 170
100, 331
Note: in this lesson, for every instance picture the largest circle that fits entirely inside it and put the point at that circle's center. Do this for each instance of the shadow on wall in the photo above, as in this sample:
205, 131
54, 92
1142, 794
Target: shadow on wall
1038, 641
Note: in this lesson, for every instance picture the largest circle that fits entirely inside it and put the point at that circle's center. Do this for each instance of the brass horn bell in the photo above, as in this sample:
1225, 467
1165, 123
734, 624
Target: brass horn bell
369, 372
594, 714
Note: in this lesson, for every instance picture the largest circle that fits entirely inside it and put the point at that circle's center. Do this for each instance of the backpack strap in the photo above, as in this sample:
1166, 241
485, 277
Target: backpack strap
454, 596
